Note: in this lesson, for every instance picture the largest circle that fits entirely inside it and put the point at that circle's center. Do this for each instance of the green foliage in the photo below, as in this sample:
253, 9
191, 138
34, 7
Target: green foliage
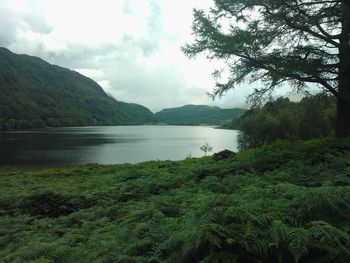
197, 114
303, 43
285, 202
312, 117
49, 204
36, 94
284, 41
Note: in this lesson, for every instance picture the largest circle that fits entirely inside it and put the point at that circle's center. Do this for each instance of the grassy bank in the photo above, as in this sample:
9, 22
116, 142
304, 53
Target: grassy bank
288, 202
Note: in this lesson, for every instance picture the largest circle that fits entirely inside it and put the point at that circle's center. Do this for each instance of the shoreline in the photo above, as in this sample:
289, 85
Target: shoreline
95, 213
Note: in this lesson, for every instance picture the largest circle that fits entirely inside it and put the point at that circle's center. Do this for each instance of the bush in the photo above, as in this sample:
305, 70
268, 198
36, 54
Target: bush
312, 117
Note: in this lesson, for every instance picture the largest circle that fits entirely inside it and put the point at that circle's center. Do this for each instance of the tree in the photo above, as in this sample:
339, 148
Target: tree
312, 117
301, 42
206, 148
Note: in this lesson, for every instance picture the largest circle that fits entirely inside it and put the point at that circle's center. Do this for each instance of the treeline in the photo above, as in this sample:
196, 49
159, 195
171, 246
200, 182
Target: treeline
88, 112
312, 117
197, 114
14, 124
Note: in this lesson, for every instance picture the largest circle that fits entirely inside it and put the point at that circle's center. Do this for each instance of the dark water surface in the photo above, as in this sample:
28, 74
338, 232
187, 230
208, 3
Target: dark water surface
109, 145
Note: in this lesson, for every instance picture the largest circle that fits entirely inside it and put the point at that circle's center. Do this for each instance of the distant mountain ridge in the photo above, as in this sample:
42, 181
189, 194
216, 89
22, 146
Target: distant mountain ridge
198, 114
35, 94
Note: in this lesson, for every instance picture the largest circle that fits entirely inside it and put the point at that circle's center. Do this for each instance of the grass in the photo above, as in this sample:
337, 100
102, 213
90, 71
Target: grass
287, 202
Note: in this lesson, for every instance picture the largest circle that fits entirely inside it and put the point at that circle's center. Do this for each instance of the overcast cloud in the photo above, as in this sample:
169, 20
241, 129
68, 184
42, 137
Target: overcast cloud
130, 47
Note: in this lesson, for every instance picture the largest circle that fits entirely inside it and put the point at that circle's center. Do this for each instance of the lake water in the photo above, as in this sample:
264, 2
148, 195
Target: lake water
110, 145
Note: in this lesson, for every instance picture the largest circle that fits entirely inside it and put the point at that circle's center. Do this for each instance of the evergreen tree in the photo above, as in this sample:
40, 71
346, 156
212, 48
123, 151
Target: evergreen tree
301, 42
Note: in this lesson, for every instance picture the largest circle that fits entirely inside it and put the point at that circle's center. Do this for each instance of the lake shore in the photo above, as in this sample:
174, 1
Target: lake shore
163, 209
110, 144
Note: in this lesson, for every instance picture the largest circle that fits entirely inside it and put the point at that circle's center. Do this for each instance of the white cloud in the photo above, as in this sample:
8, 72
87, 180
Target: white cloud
130, 47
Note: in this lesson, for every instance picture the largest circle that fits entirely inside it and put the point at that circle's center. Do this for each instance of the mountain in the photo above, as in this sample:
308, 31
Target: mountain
198, 114
35, 93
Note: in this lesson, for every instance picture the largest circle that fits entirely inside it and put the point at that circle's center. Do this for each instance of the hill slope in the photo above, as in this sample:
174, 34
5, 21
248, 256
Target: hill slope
35, 93
197, 114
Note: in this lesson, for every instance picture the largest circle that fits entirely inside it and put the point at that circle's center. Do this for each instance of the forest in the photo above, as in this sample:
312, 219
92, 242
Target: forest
197, 114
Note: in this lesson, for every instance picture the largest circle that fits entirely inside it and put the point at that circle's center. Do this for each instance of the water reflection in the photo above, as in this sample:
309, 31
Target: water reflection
119, 144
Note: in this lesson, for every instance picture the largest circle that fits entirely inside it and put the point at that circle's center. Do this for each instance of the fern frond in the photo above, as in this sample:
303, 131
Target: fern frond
214, 234
220, 257
330, 235
297, 244
140, 247
130, 259
66, 255
175, 241
295, 240
175, 258
332, 201
279, 233
258, 248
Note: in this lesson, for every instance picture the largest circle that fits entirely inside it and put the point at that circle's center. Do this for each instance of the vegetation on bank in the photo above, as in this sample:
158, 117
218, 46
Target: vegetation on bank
312, 117
285, 202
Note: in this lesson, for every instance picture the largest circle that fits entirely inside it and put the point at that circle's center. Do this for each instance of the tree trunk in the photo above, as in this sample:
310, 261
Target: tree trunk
343, 101
342, 128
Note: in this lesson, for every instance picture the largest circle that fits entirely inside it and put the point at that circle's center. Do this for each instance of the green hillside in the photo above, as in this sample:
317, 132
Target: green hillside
197, 114
286, 202
35, 93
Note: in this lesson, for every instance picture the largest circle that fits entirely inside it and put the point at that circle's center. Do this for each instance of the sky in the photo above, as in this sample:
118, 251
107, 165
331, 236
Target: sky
132, 48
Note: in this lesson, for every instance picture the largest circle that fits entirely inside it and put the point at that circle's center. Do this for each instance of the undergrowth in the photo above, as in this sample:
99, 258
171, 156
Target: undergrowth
287, 202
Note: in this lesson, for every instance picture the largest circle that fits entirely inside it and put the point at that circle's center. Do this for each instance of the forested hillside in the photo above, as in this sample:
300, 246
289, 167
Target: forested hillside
197, 114
35, 93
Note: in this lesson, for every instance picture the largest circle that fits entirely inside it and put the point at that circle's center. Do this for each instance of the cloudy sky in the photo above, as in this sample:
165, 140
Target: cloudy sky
130, 47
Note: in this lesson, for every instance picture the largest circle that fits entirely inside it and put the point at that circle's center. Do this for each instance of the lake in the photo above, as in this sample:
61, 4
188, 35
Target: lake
110, 145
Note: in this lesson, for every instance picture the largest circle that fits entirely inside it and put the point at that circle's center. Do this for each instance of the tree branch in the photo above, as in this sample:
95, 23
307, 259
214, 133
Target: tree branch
326, 34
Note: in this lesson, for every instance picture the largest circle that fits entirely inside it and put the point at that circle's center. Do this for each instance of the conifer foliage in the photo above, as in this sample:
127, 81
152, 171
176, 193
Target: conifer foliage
301, 42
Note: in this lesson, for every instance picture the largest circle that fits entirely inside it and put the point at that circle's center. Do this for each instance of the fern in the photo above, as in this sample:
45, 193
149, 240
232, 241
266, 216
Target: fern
332, 236
297, 243
175, 241
175, 258
294, 240
244, 214
332, 201
66, 255
258, 248
171, 217
130, 259
221, 257
190, 242
140, 247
